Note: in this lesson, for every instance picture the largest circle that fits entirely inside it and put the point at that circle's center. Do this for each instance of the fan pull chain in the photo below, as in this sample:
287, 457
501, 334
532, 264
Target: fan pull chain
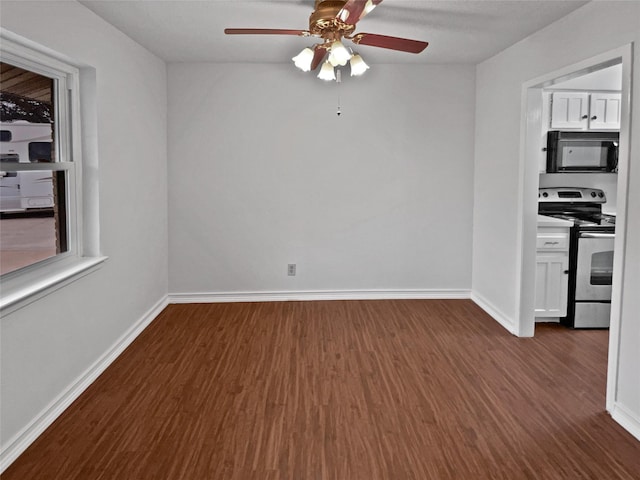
339, 81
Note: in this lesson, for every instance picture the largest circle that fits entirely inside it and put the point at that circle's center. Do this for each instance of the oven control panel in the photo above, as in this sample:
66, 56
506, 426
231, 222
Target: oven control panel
571, 195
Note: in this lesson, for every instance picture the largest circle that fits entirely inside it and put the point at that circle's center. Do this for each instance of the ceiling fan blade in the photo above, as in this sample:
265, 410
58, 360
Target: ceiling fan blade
265, 31
392, 43
354, 10
319, 52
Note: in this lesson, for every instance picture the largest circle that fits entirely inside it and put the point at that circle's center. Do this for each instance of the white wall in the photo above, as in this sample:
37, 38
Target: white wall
609, 78
591, 30
262, 173
49, 344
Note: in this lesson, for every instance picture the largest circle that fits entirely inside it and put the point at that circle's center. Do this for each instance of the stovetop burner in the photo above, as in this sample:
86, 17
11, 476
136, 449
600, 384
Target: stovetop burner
605, 219
597, 219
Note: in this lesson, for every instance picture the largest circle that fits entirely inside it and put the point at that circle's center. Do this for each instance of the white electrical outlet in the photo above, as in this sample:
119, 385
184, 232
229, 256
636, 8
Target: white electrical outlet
291, 269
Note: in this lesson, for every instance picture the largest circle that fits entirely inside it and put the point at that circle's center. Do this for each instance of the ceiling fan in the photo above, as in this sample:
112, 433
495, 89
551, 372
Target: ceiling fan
333, 20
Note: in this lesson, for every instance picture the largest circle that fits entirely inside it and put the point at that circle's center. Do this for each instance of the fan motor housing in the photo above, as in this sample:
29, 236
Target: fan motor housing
324, 23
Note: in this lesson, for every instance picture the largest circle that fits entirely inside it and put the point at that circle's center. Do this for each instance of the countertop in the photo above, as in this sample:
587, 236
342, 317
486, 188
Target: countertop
544, 221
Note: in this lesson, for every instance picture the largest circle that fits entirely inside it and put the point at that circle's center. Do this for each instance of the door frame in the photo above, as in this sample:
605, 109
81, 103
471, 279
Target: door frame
531, 124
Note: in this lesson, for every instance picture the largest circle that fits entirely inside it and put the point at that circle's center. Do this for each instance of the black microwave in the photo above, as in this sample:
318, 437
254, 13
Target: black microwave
577, 152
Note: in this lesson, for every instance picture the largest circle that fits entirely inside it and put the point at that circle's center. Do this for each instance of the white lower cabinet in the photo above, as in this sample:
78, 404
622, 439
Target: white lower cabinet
551, 285
552, 278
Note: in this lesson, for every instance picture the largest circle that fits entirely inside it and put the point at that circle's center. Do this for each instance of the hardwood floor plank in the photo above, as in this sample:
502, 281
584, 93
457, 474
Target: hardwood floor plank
393, 389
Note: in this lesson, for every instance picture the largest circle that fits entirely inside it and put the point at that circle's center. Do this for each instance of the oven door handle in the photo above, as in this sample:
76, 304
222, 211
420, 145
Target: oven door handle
596, 235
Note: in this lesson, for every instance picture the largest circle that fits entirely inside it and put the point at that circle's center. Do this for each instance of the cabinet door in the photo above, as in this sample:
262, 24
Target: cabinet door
569, 110
604, 111
552, 285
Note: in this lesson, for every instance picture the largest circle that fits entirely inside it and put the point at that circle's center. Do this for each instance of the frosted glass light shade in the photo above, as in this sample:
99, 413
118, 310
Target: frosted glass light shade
339, 55
358, 66
303, 59
369, 6
326, 72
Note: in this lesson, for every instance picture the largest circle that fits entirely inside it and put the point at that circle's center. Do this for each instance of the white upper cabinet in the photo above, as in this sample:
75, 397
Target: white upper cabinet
604, 111
585, 111
569, 110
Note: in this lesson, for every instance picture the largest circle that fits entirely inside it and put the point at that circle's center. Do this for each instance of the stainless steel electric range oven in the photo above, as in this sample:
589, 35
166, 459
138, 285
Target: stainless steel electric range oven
590, 252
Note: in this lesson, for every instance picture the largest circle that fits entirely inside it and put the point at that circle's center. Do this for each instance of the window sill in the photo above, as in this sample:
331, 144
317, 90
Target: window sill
20, 291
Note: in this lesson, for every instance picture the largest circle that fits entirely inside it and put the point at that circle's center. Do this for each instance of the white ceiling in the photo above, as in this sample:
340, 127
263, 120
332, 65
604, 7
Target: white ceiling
458, 31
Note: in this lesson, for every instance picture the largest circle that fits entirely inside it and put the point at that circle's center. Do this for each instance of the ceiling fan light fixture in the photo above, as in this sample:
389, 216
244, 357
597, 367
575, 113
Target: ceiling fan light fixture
303, 60
358, 66
339, 55
326, 72
332, 21
369, 6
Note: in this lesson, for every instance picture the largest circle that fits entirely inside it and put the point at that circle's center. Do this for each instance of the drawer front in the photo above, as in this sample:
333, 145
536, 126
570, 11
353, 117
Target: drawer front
552, 241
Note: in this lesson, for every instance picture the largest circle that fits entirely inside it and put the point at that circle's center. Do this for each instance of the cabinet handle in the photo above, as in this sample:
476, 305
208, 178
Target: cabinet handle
584, 117
594, 117
566, 272
551, 243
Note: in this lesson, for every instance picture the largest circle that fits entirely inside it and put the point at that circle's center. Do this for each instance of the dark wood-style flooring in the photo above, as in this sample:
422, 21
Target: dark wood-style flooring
399, 389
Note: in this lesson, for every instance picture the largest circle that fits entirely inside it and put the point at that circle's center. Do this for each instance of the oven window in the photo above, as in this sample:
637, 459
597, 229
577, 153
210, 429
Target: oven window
602, 268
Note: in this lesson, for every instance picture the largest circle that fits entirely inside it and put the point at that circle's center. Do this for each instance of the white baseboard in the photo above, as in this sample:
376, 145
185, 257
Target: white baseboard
306, 295
627, 419
25, 437
494, 312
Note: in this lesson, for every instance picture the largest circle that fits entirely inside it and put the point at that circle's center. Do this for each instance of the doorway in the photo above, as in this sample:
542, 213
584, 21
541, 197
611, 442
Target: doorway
533, 96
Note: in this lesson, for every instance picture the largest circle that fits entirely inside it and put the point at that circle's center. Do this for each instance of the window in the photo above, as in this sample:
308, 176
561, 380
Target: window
32, 211
41, 202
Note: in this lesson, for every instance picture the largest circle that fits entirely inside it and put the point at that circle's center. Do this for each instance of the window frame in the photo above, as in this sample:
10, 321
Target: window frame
27, 284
